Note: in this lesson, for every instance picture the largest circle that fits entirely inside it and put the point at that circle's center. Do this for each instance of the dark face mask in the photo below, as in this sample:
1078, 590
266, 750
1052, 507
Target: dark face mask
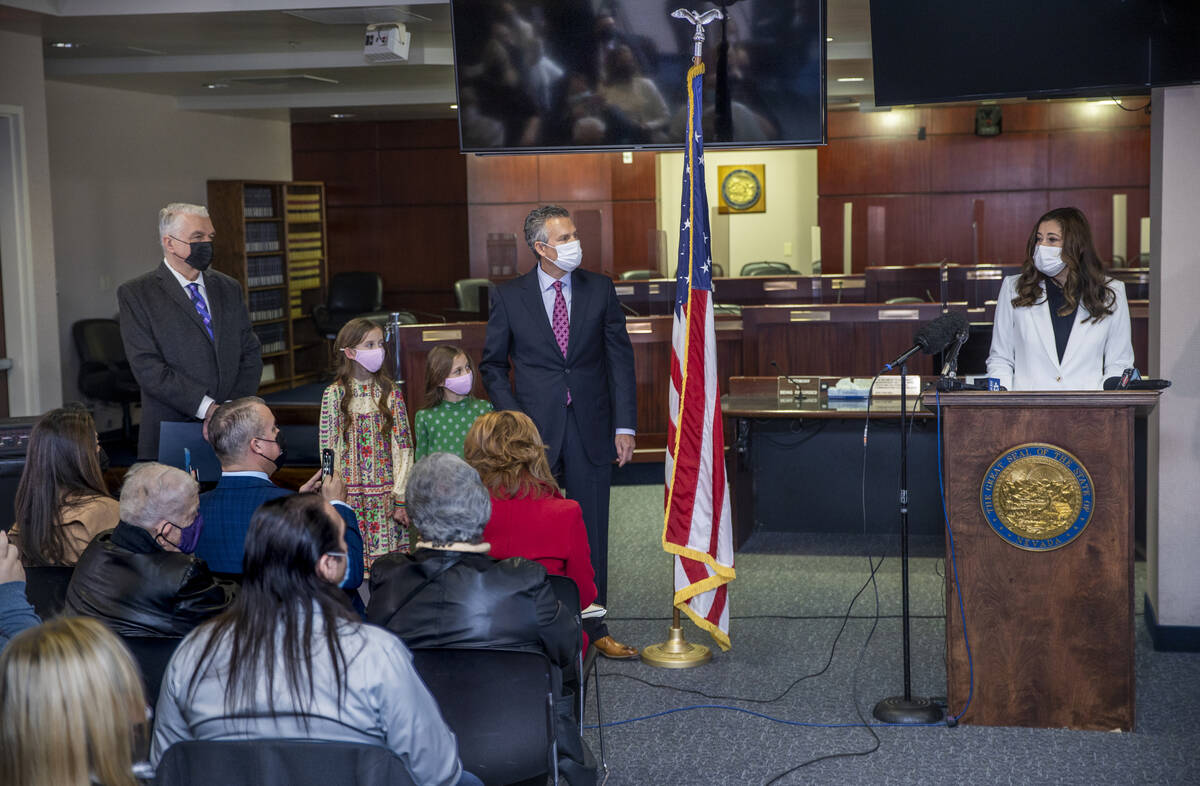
200, 253
281, 442
189, 536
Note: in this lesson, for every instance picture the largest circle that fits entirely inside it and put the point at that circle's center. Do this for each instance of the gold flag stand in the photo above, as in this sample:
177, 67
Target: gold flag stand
676, 652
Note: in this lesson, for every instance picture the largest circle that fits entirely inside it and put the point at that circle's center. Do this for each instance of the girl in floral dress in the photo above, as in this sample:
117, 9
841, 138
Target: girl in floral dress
365, 423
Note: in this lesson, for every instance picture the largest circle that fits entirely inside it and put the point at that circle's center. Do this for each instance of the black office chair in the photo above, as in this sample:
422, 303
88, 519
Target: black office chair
104, 373
640, 275
471, 293
500, 705
152, 654
46, 589
717, 270
279, 763
767, 269
350, 295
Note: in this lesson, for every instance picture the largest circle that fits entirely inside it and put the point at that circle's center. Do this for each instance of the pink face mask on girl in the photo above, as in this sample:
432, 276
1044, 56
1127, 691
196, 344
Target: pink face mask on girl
370, 359
460, 386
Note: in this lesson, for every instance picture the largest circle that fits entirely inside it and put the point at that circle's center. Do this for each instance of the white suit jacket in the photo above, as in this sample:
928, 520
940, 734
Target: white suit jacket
1024, 355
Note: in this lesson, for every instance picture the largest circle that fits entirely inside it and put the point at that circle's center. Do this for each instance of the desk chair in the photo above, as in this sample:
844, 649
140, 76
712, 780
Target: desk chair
500, 705
279, 762
471, 293
567, 593
104, 373
351, 295
640, 275
767, 269
46, 588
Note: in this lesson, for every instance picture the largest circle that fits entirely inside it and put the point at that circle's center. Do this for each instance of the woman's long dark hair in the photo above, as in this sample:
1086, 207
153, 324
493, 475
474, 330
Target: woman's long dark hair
1086, 281
280, 595
61, 468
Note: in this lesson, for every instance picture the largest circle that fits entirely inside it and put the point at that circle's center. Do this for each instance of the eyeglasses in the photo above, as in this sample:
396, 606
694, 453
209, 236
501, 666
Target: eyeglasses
341, 554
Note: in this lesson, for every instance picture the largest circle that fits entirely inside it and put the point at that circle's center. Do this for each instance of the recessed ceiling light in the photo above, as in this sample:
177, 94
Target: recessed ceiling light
851, 78
64, 45
342, 115
828, 38
215, 85
454, 106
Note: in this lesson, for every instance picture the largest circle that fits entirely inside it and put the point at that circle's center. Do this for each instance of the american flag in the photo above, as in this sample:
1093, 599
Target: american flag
697, 527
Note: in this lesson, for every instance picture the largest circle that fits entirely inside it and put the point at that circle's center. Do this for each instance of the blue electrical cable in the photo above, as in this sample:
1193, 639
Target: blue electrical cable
953, 719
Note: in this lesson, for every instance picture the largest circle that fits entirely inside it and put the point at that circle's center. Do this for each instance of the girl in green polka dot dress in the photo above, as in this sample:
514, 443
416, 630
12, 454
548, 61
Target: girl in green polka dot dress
449, 408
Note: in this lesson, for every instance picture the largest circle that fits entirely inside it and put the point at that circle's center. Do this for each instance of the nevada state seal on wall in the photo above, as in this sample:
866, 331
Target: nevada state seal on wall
1037, 497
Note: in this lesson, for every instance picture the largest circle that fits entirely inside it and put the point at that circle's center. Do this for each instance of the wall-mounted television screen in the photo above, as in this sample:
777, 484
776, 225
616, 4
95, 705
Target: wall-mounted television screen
949, 50
547, 75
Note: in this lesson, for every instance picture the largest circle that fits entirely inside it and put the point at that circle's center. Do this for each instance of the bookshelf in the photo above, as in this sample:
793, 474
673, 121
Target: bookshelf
271, 237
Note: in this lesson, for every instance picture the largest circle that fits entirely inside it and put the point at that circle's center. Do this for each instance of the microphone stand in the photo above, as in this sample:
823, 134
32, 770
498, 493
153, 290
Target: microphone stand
906, 709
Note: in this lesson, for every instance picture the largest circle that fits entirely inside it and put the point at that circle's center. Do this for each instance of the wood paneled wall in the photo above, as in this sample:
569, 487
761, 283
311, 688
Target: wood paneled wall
503, 189
932, 190
396, 200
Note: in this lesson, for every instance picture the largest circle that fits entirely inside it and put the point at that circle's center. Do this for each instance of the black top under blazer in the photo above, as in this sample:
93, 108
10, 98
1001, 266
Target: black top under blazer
174, 361
598, 366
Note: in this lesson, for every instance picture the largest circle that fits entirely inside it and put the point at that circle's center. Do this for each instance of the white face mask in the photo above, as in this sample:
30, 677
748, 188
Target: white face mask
569, 256
1048, 259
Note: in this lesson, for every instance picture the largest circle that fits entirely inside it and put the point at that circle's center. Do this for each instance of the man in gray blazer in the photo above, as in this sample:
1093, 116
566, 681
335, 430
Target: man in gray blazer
186, 329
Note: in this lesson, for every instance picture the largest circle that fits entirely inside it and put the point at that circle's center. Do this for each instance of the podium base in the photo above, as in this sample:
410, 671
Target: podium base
915, 710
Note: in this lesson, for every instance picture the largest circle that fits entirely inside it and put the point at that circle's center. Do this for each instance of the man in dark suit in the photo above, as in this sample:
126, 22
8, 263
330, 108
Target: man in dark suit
562, 332
186, 329
249, 446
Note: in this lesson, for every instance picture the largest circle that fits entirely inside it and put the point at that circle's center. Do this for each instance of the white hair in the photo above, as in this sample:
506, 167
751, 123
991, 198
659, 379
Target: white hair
169, 216
153, 492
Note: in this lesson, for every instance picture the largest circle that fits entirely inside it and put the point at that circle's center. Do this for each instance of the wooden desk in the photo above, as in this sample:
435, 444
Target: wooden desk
797, 466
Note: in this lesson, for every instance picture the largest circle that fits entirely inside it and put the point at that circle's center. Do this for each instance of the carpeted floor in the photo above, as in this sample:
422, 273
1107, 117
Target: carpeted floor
788, 604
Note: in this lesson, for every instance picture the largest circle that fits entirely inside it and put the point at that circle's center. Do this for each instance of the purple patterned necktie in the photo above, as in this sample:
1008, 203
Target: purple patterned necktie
560, 323
201, 309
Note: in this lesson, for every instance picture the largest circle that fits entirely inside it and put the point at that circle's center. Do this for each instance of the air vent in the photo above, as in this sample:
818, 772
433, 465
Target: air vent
363, 15
282, 79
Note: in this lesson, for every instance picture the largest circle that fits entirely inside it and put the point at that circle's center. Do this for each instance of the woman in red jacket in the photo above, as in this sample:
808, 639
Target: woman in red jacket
530, 517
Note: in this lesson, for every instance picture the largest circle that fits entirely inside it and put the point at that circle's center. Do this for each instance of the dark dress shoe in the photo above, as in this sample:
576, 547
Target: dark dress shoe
611, 648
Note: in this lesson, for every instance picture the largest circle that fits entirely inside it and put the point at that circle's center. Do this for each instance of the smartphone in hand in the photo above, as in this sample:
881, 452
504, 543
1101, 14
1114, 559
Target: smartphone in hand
327, 462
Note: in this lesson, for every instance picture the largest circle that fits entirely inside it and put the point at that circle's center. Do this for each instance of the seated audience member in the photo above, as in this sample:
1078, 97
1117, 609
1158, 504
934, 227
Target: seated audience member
16, 614
250, 447
449, 593
306, 667
72, 709
141, 578
62, 502
530, 517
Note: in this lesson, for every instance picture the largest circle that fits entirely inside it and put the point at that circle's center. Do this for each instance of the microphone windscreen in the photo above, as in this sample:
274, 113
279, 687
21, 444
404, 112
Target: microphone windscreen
937, 335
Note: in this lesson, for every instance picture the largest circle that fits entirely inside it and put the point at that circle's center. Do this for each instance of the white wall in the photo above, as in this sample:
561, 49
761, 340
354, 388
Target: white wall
791, 193
1173, 446
116, 158
30, 321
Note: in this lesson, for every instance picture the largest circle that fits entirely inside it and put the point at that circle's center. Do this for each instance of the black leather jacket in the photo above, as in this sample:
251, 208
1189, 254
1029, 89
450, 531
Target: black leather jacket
138, 588
434, 598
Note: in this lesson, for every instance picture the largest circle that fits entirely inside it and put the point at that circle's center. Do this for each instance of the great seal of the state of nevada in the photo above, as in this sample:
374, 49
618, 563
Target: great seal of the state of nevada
1037, 497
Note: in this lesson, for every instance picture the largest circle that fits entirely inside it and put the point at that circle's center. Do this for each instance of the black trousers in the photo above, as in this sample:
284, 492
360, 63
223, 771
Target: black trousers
587, 484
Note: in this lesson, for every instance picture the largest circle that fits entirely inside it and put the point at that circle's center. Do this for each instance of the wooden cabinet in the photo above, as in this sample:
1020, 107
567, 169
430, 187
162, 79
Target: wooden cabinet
271, 237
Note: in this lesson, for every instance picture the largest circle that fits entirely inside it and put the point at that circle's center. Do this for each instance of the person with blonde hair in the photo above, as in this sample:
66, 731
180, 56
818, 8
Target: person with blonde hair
141, 578
72, 708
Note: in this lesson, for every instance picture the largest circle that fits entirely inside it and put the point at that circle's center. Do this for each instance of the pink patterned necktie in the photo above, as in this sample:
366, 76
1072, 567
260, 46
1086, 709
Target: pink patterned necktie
560, 323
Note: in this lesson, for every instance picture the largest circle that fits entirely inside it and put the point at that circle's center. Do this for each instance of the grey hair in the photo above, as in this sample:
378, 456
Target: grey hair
153, 492
447, 501
535, 224
168, 217
233, 426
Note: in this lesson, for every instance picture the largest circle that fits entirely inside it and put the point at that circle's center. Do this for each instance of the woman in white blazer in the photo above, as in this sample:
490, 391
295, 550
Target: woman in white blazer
1061, 324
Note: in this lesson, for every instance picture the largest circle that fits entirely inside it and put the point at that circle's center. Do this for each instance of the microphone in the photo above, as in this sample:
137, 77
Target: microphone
784, 374
933, 337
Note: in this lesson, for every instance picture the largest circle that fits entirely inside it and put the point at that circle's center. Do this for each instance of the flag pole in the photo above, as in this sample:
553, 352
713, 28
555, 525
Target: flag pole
676, 652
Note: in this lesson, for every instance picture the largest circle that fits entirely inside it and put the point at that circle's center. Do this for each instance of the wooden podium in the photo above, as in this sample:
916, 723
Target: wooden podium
1051, 631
